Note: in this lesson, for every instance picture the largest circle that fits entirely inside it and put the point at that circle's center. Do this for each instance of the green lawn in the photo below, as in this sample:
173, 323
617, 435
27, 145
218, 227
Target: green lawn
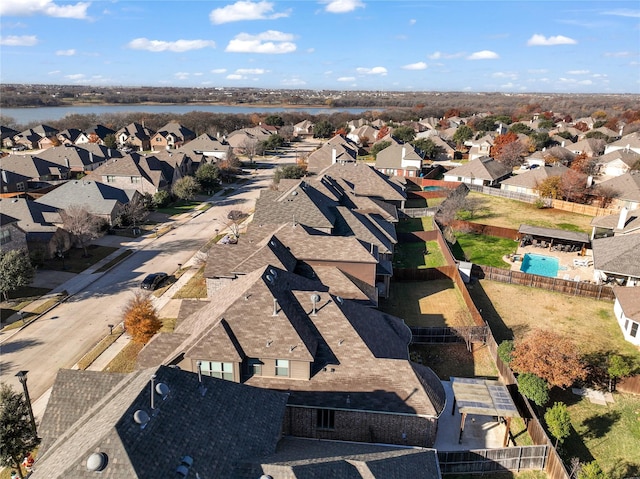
609, 434
75, 261
409, 225
178, 208
412, 255
482, 249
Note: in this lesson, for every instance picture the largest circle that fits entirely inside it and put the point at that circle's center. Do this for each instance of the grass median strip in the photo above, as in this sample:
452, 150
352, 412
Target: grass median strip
88, 359
114, 261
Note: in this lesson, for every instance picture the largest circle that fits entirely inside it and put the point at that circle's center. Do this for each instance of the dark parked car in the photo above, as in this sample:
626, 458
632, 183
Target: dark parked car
153, 280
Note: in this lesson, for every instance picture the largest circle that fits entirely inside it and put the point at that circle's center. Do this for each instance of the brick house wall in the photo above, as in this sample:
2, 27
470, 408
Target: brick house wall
388, 428
12, 238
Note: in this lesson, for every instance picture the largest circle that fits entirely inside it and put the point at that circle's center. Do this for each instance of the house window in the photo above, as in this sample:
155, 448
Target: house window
158, 139
5, 236
111, 179
254, 367
135, 179
325, 418
217, 369
282, 367
634, 329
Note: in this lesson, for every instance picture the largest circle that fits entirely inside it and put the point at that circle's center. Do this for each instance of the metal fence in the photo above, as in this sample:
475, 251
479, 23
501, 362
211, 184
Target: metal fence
481, 461
444, 334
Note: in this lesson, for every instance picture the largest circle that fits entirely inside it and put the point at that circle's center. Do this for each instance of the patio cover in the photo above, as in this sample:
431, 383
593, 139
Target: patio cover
484, 397
553, 233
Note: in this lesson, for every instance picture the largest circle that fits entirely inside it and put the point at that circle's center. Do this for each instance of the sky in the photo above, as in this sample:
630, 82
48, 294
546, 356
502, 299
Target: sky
514, 46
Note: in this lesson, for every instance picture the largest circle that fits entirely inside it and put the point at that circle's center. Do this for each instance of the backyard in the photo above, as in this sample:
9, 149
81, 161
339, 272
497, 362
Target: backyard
609, 434
483, 249
497, 211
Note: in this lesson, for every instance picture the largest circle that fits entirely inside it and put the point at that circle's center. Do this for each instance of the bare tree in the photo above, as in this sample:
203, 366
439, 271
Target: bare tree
133, 212
250, 147
84, 226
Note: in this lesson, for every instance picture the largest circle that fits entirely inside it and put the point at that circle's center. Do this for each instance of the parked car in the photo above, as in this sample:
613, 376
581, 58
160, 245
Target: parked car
153, 280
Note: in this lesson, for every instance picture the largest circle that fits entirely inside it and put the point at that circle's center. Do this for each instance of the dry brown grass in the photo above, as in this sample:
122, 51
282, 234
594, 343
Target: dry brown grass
497, 211
427, 303
514, 310
455, 360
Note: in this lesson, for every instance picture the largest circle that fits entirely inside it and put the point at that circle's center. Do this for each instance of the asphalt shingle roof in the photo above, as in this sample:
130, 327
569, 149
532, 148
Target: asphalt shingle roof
617, 254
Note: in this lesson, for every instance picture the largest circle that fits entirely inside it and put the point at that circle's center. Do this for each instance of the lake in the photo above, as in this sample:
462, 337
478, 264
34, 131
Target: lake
24, 116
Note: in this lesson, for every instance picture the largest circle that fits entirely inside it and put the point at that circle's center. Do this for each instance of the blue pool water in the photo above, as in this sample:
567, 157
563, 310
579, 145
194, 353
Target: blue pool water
540, 264
433, 188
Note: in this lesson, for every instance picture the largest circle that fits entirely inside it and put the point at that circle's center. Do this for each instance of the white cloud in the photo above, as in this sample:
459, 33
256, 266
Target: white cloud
415, 66
53, 72
509, 75
19, 41
623, 12
342, 6
444, 56
233, 76
537, 71
245, 10
66, 53
577, 72
219, 70
483, 55
346, 79
618, 54
293, 82
382, 71
75, 76
412, 21
251, 71
43, 7
269, 42
181, 75
162, 46
541, 40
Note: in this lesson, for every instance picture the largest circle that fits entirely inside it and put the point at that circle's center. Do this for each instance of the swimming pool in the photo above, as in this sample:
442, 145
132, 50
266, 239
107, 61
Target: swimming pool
540, 264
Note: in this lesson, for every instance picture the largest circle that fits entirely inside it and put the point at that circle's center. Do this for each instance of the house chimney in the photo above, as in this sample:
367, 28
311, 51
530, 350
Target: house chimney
589, 181
622, 221
562, 144
66, 162
4, 176
91, 157
333, 156
404, 152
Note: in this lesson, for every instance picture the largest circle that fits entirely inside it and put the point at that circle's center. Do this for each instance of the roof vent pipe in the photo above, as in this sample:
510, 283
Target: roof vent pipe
153, 390
275, 306
314, 301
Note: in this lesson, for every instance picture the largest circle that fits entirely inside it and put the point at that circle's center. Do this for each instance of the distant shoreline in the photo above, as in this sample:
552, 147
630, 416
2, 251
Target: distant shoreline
282, 106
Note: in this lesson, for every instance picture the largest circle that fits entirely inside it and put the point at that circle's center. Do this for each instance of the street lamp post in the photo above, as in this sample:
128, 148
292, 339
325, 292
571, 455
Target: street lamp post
22, 376
110, 326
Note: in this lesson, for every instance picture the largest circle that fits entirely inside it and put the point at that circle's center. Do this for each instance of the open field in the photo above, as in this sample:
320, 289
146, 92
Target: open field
427, 303
513, 310
497, 211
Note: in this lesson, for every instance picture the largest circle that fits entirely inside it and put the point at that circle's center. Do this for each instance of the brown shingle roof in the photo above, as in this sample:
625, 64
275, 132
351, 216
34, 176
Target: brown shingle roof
366, 181
618, 255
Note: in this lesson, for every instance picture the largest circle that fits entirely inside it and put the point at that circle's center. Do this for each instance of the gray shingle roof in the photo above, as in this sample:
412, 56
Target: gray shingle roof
626, 186
392, 156
364, 180
31, 216
617, 254
629, 300
611, 222
532, 178
92, 412
482, 168
98, 198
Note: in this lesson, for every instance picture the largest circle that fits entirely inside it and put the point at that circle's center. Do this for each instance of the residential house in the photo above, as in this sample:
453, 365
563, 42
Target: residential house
480, 148
24, 173
70, 136
627, 142
616, 259
77, 159
589, 146
527, 183
155, 423
304, 129
39, 225
355, 124
364, 135
99, 199
171, 136
623, 223
363, 180
208, 146
400, 160
483, 171
609, 133
246, 140
135, 135
626, 188
345, 366
338, 149
617, 162
35, 138
117, 425
445, 151
95, 134
11, 236
6, 136
147, 174
627, 312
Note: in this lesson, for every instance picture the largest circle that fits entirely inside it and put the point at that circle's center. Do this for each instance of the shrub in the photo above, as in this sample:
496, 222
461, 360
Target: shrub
534, 388
504, 351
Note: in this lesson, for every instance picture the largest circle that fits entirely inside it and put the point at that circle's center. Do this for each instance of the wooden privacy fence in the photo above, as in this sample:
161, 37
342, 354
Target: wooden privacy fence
575, 288
477, 228
419, 212
481, 461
